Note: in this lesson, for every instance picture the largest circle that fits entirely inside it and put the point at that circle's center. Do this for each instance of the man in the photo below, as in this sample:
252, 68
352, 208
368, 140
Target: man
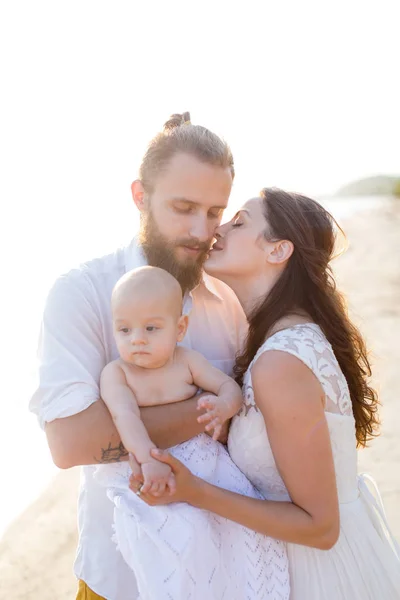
185, 182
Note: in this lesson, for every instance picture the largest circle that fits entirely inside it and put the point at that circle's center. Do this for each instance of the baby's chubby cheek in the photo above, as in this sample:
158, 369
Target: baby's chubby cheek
125, 352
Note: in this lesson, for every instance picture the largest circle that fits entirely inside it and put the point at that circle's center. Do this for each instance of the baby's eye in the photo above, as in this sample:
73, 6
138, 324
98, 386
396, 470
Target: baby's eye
124, 329
150, 328
236, 224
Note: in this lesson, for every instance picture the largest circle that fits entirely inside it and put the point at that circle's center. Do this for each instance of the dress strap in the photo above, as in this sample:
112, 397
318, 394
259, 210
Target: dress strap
375, 500
302, 341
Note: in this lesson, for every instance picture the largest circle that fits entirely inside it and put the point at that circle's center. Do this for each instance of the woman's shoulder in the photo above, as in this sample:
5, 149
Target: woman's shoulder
305, 341
298, 331
307, 344
300, 337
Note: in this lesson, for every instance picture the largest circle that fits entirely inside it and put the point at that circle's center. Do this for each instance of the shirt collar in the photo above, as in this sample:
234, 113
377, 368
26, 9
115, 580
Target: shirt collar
134, 258
210, 284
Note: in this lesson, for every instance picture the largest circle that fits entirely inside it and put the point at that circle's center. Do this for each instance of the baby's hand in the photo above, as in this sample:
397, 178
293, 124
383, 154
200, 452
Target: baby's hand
218, 410
134, 465
156, 477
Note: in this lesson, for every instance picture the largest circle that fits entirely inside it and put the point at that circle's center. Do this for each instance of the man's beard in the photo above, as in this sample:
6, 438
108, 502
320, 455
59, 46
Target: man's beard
160, 252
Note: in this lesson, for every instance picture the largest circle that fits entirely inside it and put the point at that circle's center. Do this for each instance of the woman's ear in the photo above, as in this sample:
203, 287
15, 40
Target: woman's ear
182, 327
282, 251
138, 194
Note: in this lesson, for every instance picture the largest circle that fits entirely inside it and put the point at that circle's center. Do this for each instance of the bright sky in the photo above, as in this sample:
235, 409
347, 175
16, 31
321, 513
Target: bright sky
306, 92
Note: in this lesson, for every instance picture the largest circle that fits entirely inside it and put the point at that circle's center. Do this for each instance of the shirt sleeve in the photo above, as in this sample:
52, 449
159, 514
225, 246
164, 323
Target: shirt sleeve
71, 350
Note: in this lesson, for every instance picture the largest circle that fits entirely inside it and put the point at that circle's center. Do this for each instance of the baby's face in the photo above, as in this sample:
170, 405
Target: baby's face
146, 331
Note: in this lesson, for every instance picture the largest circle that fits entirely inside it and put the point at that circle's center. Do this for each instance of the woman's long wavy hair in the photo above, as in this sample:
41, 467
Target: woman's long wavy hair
307, 285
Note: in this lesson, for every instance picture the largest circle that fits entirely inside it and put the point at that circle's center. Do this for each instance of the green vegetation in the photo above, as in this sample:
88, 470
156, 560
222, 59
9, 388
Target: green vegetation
380, 185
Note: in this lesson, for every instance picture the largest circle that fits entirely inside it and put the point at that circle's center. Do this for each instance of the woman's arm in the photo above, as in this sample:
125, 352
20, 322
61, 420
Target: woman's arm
291, 401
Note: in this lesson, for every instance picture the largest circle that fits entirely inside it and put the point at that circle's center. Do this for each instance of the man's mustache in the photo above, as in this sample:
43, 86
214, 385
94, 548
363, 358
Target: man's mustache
193, 243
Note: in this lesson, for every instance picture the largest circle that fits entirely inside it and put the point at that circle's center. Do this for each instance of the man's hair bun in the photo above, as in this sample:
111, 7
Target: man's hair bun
176, 120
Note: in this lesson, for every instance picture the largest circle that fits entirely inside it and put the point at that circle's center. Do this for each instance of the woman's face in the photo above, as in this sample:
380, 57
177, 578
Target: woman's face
239, 251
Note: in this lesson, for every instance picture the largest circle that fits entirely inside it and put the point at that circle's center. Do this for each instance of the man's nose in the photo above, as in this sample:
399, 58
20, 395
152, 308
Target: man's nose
201, 228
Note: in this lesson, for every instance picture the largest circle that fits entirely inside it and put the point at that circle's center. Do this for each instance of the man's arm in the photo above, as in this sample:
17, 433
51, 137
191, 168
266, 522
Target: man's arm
90, 436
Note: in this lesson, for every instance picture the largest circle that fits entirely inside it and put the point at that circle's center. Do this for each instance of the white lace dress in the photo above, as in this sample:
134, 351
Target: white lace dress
179, 552
364, 564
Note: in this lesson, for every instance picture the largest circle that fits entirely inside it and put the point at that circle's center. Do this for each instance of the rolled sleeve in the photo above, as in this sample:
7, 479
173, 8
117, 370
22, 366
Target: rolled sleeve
71, 350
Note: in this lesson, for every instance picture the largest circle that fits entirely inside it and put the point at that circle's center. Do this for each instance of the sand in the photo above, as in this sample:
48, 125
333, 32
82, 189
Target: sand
37, 551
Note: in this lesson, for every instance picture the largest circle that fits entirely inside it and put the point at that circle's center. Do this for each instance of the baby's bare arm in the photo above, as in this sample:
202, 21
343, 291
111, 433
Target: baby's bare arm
123, 406
215, 381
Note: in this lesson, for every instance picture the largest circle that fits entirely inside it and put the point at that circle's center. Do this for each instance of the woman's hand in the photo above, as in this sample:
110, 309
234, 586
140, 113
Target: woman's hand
187, 485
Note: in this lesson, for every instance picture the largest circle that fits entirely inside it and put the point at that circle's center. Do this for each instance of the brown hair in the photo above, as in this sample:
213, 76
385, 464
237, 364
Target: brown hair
307, 285
179, 135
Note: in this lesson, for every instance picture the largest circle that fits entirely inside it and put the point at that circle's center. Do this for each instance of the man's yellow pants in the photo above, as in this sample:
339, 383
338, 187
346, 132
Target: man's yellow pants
85, 593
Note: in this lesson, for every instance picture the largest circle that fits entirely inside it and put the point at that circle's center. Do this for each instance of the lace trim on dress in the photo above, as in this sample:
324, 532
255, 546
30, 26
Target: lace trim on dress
307, 343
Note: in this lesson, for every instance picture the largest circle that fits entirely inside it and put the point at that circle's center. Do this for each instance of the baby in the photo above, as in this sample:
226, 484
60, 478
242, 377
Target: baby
148, 322
175, 551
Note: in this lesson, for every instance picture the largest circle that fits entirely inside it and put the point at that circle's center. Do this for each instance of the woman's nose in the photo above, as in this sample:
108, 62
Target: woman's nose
220, 231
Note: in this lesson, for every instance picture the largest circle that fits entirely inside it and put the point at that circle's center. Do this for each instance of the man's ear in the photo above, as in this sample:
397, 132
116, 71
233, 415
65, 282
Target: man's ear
138, 194
282, 251
182, 327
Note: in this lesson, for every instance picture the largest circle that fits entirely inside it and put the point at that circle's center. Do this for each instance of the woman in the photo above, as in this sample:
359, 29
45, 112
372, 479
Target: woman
307, 406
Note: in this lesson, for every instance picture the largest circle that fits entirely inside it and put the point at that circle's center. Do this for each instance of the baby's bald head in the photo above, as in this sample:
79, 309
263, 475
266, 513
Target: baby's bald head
147, 317
149, 282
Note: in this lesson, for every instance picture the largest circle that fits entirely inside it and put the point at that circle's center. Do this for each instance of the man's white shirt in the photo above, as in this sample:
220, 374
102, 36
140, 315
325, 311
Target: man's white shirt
76, 342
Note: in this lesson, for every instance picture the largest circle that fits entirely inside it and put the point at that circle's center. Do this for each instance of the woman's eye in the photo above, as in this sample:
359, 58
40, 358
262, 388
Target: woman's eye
237, 224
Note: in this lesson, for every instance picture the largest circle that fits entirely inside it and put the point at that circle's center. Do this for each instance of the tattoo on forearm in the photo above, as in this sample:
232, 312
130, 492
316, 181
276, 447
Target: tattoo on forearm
111, 455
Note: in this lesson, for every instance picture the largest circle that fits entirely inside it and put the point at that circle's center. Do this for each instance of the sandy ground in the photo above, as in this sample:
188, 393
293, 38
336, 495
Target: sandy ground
37, 551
